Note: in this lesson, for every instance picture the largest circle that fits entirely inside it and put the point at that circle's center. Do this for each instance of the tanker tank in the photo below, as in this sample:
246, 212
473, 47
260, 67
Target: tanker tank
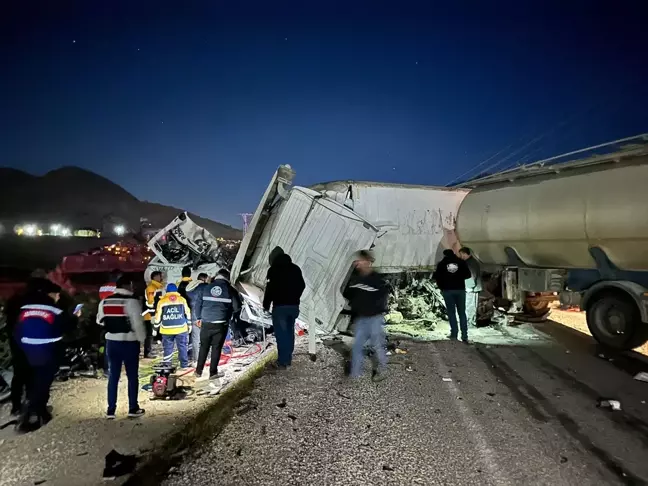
552, 219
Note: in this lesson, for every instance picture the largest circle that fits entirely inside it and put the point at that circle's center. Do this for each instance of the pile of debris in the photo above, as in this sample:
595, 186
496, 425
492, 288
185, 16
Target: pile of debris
416, 300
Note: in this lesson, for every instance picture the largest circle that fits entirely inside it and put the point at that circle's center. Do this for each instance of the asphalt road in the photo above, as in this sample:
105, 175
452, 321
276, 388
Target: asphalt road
520, 412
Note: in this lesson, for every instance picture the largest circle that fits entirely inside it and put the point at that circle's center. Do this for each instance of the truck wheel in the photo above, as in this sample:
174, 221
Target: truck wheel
614, 321
535, 308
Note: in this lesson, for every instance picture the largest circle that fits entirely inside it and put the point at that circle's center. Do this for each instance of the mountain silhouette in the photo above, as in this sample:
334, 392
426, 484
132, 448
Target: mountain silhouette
80, 198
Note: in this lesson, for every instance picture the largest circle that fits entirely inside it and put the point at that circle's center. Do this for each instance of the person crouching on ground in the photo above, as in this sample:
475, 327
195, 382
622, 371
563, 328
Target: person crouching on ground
215, 306
194, 293
367, 294
173, 318
284, 287
450, 275
121, 316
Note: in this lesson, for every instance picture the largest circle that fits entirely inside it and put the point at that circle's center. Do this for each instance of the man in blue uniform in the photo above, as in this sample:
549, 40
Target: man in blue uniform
21, 370
215, 305
39, 332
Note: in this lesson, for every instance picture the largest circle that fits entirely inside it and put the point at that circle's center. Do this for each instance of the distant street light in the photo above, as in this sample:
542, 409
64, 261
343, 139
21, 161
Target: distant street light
30, 230
65, 231
119, 230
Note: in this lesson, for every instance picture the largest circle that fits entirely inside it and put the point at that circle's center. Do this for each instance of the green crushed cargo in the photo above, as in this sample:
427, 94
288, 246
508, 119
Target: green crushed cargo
416, 306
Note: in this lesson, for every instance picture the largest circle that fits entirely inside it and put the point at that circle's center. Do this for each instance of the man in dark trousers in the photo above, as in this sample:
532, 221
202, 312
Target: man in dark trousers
193, 291
450, 275
367, 294
121, 316
215, 306
473, 285
21, 370
284, 288
39, 333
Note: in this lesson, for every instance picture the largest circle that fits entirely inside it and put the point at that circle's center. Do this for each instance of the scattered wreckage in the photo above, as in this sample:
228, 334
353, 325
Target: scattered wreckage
515, 222
183, 243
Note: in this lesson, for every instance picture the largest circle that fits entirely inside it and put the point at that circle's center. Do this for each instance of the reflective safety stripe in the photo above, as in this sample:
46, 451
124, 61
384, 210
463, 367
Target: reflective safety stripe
42, 307
164, 324
217, 299
27, 340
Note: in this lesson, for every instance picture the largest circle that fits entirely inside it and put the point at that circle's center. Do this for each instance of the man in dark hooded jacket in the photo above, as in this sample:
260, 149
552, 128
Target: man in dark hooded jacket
450, 275
284, 287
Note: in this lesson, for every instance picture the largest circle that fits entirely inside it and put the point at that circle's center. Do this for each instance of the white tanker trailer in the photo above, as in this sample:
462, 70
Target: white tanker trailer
576, 229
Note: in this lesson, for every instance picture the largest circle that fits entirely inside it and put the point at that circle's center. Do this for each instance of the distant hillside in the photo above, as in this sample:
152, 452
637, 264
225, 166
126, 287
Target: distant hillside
79, 198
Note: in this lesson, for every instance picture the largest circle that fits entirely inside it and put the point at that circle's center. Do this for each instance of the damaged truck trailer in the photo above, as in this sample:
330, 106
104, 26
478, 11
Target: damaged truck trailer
322, 227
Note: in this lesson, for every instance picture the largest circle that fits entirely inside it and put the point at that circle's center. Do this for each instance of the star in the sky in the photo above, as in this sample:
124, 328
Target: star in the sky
73, 41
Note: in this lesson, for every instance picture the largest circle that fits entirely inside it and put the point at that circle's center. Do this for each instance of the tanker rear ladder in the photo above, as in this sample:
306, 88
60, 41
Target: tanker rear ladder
623, 149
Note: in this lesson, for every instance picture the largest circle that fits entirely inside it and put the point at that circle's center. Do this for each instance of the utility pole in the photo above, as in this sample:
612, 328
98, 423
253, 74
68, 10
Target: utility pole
246, 221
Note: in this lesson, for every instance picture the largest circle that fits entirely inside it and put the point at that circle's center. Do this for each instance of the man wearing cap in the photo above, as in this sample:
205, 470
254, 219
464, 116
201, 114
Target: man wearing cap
172, 320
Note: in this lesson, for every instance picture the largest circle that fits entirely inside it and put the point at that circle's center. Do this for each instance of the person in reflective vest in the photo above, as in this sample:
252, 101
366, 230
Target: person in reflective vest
154, 291
39, 332
173, 320
121, 316
21, 369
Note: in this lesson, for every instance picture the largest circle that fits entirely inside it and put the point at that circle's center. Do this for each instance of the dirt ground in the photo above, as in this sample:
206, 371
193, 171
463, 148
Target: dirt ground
70, 450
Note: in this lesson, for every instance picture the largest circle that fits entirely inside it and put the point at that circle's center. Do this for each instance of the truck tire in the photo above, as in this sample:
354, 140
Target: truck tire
614, 321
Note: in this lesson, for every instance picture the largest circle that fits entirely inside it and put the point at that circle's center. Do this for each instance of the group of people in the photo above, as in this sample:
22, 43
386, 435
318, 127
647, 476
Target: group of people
190, 316
193, 316
457, 275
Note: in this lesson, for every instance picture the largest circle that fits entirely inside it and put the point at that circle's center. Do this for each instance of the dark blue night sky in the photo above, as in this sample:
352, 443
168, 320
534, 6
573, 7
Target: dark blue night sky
195, 103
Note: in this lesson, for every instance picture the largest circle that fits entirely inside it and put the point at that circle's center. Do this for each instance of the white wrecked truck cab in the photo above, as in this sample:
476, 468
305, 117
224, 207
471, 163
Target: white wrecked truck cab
180, 243
319, 234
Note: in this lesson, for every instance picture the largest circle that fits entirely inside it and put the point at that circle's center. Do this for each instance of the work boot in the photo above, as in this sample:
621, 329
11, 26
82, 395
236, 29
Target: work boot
379, 375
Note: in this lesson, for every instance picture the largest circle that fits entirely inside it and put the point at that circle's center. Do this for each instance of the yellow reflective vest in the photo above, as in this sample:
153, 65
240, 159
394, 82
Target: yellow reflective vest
172, 315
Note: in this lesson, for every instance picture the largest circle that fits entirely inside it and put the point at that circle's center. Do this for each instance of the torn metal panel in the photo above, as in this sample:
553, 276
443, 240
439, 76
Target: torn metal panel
413, 220
321, 236
277, 190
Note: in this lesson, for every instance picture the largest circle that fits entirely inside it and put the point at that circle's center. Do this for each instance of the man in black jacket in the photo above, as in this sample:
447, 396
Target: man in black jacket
367, 294
450, 275
284, 288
